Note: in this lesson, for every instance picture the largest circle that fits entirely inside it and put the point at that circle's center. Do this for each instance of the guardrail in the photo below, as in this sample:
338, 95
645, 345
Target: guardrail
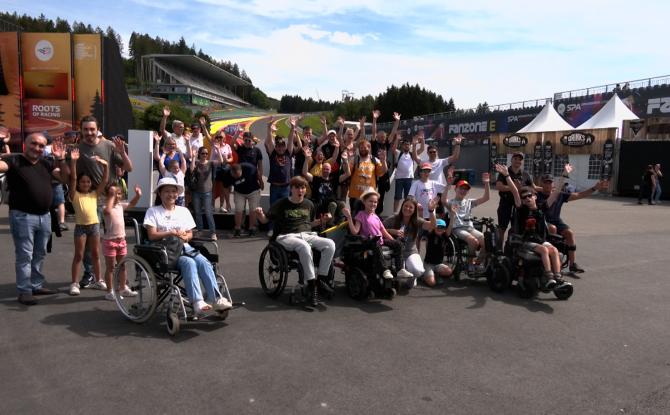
622, 86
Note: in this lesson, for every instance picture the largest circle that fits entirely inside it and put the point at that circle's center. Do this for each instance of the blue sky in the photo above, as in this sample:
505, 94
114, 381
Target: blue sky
473, 51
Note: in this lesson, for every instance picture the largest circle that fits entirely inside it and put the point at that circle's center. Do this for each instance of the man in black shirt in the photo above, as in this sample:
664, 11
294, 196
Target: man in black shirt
505, 207
247, 190
294, 218
29, 179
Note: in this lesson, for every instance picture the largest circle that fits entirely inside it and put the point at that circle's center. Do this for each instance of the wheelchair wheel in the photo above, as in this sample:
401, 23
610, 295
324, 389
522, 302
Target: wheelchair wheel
141, 279
273, 270
498, 277
357, 284
451, 258
563, 291
529, 286
172, 323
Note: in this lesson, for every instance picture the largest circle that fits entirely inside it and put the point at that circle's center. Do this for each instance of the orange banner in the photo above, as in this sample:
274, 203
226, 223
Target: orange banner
88, 77
10, 87
47, 69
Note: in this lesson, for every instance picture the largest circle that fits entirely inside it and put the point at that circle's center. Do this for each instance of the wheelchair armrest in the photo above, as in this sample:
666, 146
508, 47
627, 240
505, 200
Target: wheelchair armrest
155, 255
515, 239
208, 248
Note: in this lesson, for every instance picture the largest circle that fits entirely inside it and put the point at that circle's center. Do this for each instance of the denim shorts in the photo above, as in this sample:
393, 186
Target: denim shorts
86, 230
58, 195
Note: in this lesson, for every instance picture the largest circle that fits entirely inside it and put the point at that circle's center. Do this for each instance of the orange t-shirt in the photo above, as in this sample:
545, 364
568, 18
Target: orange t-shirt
364, 176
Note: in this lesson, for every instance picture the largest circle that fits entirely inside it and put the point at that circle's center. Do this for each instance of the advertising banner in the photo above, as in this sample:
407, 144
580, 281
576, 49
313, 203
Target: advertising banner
47, 77
88, 98
10, 87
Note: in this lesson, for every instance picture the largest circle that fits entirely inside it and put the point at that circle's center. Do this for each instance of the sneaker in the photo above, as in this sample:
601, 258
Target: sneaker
111, 297
237, 233
252, 232
403, 273
86, 281
127, 292
74, 288
270, 233
223, 304
63, 227
99, 285
549, 284
223, 210
200, 306
387, 274
576, 268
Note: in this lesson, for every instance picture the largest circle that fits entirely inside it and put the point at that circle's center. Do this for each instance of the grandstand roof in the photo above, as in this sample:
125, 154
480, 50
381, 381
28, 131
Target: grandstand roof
202, 68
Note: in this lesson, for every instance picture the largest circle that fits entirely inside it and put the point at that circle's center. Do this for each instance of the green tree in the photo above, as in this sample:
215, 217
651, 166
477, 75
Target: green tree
154, 113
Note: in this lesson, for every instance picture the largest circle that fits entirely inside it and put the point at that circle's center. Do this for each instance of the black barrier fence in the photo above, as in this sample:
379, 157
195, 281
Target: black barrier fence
634, 158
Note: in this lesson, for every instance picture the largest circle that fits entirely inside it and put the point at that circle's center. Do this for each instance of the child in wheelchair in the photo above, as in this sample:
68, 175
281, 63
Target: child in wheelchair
367, 224
463, 227
530, 225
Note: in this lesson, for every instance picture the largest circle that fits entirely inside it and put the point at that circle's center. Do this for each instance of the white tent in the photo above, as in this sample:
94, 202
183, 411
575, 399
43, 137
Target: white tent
547, 120
612, 115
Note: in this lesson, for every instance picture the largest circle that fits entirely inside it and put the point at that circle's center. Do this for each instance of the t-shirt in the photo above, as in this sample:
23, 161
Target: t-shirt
437, 173
409, 241
463, 211
328, 150
105, 150
523, 214
371, 225
249, 155
114, 225
507, 198
248, 182
289, 217
164, 220
363, 175
552, 213
204, 172
423, 193
197, 142
280, 167
436, 246
180, 141
29, 184
323, 190
85, 208
179, 177
405, 166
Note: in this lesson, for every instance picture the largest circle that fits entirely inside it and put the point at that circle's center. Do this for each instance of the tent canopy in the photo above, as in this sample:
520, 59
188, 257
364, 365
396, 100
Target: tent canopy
547, 120
612, 115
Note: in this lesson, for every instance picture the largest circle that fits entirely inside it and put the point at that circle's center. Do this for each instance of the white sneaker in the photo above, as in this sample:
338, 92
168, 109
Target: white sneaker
387, 275
222, 304
200, 307
74, 288
270, 233
110, 296
403, 273
99, 285
127, 292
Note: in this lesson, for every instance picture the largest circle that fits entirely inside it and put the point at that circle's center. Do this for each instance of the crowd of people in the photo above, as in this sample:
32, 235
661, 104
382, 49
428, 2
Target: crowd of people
315, 182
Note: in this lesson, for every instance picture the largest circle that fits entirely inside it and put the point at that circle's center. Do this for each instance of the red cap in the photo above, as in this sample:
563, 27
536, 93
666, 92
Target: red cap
426, 166
463, 183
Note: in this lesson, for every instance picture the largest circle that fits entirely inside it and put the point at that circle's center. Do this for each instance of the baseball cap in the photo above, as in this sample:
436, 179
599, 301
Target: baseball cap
518, 154
441, 223
426, 166
547, 178
461, 183
331, 132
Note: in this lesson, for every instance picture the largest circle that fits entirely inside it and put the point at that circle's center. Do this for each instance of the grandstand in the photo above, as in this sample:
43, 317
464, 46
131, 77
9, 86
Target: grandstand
191, 80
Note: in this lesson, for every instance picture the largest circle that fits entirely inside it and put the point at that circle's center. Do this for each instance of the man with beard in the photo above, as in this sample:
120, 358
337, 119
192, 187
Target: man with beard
114, 153
365, 169
280, 155
389, 144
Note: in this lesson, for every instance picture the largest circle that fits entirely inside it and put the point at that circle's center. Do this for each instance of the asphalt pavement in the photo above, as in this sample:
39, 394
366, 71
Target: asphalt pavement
456, 349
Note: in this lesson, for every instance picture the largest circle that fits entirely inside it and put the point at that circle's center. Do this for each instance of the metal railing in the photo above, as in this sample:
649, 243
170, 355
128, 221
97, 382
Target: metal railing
6, 26
603, 89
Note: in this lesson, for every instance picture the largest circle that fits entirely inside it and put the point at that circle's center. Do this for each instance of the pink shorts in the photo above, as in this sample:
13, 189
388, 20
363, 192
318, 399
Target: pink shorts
114, 247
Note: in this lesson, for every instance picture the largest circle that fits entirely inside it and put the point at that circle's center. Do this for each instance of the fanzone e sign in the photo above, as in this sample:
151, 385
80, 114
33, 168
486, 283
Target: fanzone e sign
577, 139
515, 141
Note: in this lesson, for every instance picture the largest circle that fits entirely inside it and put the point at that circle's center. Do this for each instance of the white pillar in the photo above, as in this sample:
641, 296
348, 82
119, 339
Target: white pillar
140, 151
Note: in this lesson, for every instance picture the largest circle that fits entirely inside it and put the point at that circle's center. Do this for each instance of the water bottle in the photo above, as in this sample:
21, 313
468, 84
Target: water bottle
404, 237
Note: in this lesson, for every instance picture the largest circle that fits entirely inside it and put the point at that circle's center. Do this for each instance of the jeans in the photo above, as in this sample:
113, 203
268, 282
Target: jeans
202, 203
278, 192
31, 234
657, 193
88, 262
302, 243
191, 269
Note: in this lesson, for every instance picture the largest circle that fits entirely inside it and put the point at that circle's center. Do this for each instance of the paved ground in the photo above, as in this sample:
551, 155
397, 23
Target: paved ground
457, 349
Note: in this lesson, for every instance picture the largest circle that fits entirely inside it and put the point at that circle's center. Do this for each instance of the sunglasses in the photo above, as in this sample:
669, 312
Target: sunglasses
203, 153
425, 171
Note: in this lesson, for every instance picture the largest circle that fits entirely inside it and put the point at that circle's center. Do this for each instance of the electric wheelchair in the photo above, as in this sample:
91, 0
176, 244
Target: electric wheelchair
158, 286
275, 265
362, 276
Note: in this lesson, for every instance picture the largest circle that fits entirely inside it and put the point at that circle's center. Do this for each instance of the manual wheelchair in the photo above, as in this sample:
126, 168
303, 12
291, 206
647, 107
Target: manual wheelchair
274, 267
158, 286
